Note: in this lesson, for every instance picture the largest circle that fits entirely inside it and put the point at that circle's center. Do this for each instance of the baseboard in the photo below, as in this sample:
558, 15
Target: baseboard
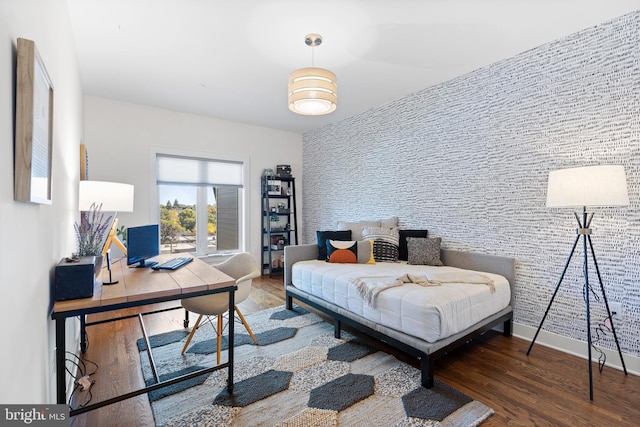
576, 348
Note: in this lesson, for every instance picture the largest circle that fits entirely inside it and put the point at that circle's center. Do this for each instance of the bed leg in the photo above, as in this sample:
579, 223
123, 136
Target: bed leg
289, 302
427, 375
508, 328
336, 328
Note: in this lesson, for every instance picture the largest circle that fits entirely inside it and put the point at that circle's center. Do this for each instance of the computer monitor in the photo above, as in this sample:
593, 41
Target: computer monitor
143, 243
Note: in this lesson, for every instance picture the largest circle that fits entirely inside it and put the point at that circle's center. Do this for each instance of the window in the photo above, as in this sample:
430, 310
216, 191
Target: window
200, 204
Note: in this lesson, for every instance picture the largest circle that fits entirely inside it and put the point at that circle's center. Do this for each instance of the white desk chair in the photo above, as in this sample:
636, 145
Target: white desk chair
242, 267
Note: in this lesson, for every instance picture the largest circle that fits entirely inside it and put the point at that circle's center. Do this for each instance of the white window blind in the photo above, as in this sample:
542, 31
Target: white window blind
176, 170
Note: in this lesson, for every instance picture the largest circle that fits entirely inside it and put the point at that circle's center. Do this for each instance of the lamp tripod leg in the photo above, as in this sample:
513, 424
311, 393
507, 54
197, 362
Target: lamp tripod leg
584, 230
606, 304
586, 300
555, 292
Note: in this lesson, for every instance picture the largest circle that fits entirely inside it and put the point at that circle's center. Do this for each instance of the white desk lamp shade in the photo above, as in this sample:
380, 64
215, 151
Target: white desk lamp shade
587, 186
114, 196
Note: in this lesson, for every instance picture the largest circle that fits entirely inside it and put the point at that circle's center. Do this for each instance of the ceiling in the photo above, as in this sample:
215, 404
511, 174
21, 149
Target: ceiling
231, 59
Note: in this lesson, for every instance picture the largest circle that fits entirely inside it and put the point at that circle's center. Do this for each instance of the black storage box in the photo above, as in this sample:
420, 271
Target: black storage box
75, 279
283, 170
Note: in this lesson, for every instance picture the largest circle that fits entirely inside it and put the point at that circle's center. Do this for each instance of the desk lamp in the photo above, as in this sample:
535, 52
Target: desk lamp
582, 187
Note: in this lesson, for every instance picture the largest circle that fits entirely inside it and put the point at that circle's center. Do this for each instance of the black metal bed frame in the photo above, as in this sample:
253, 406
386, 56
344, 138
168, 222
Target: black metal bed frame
426, 359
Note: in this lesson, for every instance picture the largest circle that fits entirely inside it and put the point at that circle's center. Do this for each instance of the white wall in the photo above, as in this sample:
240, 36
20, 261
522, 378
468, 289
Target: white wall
35, 237
121, 138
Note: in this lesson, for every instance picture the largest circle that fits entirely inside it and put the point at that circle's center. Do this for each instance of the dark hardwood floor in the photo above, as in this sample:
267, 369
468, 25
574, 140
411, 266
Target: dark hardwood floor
547, 388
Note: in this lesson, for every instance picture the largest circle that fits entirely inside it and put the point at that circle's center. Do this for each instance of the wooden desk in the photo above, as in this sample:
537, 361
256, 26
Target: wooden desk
138, 287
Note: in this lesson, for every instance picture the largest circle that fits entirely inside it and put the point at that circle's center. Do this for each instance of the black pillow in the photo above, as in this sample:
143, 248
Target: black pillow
323, 236
403, 254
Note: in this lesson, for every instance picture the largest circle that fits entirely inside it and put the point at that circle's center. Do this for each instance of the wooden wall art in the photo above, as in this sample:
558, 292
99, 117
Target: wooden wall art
34, 122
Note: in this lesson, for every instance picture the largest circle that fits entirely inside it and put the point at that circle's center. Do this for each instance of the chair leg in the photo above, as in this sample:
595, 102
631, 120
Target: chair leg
219, 337
246, 325
193, 331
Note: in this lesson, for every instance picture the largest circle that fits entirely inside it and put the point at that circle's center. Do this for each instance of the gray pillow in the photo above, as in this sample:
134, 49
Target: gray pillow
424, 251
365, 252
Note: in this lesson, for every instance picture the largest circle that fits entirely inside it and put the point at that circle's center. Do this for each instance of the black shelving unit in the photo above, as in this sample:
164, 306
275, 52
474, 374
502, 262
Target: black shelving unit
279, 221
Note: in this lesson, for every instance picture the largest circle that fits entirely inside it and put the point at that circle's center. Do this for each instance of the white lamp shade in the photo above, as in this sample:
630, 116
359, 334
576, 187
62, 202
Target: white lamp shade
313, 91
588, 186
114, 196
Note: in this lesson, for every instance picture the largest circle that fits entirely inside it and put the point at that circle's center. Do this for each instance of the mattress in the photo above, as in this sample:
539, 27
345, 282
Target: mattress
430, 313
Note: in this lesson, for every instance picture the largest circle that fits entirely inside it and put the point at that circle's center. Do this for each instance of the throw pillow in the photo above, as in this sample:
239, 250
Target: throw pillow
389, 223
341, 251
356, 227
390, 235
424, 251
402, 247
323, 236
365, 252
385, 242
385, 251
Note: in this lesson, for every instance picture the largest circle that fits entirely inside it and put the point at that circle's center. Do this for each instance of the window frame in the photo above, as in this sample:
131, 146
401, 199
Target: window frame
245, 191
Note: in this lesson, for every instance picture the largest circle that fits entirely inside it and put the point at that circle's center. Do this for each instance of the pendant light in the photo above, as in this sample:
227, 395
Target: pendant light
313, 91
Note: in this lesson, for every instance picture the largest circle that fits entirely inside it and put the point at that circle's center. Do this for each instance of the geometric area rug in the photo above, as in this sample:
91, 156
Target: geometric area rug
298, 375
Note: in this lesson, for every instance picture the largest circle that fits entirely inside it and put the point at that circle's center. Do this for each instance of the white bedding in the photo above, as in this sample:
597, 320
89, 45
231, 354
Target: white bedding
429, 313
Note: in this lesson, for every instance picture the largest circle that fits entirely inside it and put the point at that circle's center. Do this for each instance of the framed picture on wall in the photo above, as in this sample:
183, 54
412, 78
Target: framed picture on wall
84, 163
274, 187
34, 122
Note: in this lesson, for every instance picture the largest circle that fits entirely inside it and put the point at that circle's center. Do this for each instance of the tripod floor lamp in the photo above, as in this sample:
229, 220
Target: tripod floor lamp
582, 187
113, 197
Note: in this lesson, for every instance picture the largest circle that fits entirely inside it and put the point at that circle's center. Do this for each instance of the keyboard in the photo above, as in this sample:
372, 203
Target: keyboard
172, 264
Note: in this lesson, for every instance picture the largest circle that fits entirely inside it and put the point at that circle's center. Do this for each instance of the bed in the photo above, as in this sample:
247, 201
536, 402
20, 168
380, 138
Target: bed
402, 315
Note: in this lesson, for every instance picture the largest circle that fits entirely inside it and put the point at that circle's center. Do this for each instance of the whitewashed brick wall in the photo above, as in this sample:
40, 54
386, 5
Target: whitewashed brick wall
469, 160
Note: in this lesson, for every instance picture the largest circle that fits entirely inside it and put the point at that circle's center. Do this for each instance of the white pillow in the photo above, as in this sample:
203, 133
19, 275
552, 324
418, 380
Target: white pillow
356, 227
390, 235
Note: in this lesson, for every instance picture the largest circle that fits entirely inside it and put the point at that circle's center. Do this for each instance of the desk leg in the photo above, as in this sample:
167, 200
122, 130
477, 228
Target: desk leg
83, 333
232, 313
61, 385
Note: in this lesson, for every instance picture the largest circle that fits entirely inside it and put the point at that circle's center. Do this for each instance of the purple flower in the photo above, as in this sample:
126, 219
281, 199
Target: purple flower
92, 231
